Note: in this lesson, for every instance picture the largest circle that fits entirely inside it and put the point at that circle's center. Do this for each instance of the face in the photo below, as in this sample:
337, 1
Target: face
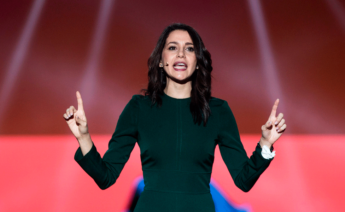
179, 53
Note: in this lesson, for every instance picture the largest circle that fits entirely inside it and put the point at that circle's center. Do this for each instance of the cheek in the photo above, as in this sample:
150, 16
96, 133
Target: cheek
193, 59
165, 56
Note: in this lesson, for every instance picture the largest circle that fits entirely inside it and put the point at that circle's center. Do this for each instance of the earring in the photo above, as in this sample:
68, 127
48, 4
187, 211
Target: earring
161, 65
197, 67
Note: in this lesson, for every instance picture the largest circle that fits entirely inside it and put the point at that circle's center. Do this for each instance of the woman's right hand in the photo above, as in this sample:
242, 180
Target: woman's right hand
76, 119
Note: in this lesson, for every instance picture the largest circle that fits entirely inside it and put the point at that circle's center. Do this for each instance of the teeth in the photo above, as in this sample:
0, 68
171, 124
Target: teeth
180, 67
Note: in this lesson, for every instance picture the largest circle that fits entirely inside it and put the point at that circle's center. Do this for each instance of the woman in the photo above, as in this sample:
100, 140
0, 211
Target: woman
177, 125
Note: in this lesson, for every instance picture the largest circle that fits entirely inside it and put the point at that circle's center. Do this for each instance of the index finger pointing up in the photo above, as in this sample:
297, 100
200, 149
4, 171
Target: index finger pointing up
80, 101
274, 109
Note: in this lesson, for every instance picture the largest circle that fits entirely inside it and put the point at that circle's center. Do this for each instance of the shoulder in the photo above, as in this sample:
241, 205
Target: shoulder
222, 110
220, 107
140, 100
134, 105
217, 103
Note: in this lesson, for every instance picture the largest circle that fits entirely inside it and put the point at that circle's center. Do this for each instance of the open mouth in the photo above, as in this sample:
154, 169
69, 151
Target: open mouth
180, 66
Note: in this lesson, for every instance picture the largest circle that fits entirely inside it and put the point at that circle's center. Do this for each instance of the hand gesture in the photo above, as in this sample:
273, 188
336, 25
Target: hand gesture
76, 119
274, 127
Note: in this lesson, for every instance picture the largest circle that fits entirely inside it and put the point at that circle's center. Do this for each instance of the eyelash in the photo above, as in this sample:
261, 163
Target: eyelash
191, 49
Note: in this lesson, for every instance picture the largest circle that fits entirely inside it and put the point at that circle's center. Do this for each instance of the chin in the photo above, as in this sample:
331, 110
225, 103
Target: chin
180, 79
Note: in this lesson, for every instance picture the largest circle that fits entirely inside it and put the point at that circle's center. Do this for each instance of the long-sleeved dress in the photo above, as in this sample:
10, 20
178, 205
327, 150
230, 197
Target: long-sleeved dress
176, 154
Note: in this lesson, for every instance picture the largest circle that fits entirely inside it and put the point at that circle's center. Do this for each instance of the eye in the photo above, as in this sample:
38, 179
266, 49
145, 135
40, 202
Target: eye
172, 48
190, 49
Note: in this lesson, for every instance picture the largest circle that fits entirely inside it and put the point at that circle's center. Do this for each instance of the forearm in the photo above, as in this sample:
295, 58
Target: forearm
252, 170
85, 143
93, 164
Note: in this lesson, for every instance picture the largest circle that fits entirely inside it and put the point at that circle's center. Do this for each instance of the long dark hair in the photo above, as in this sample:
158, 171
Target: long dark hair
201, 78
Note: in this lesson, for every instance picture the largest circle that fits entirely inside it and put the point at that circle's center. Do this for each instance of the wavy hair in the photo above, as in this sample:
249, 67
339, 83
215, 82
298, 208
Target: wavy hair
201, 78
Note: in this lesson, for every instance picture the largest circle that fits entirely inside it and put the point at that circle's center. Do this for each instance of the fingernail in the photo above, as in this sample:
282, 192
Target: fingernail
269, 122
276, 123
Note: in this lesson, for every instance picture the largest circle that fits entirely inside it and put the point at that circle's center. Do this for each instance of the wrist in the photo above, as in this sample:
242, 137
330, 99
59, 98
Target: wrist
85, 143
84, 138
265, 142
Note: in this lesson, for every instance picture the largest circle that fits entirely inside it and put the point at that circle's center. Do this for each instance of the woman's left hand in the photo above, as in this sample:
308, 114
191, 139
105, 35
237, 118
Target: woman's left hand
274, 127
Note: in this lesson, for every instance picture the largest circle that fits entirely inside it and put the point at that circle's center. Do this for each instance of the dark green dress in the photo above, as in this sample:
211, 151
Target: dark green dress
176, 154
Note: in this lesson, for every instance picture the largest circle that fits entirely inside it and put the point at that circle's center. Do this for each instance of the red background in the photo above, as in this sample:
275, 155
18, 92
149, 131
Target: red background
39, 174
101, 48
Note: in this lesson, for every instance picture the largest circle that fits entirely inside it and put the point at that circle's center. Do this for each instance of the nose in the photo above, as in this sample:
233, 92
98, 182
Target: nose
180, 54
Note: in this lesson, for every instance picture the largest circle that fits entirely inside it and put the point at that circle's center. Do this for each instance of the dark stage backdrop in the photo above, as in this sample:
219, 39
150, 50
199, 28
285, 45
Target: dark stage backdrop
261, 50
291, 50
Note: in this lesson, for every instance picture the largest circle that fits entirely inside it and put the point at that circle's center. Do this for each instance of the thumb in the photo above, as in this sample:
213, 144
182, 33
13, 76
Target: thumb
267, 125
80, 121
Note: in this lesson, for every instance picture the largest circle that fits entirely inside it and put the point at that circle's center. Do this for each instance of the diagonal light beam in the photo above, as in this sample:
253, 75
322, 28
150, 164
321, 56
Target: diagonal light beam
267, 59
89, 81
338, 10
19, 55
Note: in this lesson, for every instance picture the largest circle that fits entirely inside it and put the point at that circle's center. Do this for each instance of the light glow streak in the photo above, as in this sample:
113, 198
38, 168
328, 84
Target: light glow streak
89, 81
19, 55
267, 59
338, 11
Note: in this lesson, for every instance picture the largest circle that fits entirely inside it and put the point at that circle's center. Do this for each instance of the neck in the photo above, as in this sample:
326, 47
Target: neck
177, 90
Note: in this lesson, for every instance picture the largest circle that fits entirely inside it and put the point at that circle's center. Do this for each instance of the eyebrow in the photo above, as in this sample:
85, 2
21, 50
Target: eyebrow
174, 42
